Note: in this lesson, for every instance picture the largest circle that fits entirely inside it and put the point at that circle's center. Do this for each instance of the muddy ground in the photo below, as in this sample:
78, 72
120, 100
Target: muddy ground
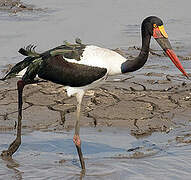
140, 105
14, 6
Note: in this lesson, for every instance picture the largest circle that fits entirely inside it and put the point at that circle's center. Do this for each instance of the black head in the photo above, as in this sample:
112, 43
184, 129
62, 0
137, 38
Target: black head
150, 23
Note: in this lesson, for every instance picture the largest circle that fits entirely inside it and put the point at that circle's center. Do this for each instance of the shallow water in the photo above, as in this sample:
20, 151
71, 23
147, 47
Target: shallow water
110, 153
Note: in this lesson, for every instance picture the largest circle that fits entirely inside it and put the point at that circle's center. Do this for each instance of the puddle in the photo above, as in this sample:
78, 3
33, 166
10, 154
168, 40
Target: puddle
110, 154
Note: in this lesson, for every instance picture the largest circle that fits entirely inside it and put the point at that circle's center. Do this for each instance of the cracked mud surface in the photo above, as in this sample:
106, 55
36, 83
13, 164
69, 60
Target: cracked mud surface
141, 105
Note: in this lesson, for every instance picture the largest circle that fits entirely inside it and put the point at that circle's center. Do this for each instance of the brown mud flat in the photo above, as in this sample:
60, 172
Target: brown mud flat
14, 6
141, 105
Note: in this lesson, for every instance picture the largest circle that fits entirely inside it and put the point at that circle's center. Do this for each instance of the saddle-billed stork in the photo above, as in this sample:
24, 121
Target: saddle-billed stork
80, 67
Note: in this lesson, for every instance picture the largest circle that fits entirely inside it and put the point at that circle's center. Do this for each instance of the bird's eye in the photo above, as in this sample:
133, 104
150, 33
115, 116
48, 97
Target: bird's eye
154, 25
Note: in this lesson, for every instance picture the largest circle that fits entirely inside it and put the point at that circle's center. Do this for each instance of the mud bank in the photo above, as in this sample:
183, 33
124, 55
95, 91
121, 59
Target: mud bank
141, 105
14, 6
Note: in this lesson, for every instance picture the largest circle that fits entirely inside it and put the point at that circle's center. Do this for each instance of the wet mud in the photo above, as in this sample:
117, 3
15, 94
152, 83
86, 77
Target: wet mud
14, 6
141, 105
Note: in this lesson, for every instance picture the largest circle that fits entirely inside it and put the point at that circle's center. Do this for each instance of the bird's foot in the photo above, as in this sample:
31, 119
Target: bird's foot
12, 148
76, 140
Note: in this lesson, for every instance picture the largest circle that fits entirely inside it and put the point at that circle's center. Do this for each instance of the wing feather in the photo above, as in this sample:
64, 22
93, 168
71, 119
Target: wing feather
58, 70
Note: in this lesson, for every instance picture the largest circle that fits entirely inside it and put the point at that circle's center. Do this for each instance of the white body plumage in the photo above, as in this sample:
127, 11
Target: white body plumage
101, 57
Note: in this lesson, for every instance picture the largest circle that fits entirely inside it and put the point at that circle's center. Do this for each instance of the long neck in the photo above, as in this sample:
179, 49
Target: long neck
140, 60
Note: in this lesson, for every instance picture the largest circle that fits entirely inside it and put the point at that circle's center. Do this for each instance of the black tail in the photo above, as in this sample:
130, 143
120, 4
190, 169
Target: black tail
31, 54
18, 67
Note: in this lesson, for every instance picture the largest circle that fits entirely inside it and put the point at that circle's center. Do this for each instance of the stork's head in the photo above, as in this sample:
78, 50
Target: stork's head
153, 26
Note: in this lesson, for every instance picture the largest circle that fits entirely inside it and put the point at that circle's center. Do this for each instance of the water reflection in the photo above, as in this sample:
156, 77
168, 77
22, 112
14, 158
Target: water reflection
13, 166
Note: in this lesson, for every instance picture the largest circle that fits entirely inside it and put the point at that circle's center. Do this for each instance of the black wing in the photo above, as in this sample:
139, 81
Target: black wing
60, 71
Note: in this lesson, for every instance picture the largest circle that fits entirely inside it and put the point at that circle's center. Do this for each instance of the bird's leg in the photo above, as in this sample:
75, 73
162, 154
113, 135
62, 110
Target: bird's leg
76, 138
16, 143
